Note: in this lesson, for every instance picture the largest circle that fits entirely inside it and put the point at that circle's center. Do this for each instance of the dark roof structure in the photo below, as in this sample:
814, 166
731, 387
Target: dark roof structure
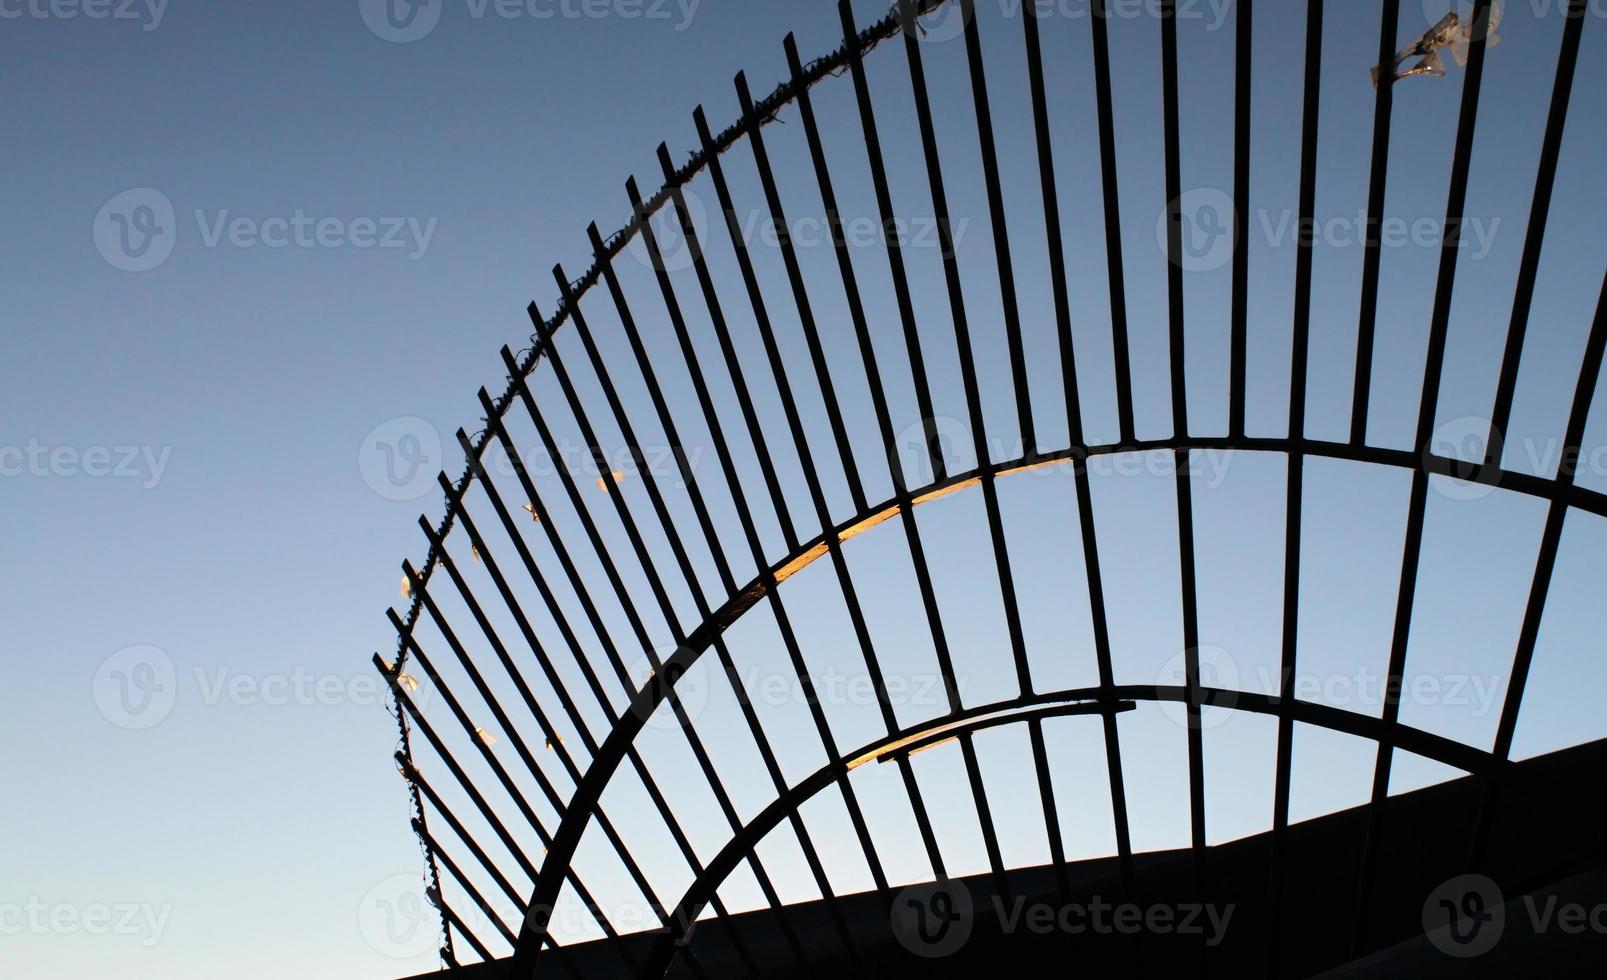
700, 459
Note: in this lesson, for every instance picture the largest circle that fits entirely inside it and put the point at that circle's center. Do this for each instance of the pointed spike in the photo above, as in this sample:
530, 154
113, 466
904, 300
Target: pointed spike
794, 63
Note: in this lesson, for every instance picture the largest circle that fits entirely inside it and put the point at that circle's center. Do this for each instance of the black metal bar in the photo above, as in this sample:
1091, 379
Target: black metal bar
1439, 326
890, 239
627, 604
629, 862
556, 611
410, 771
469, 788
789, 404
1001, 235
657, 797
745, 516
973, 399
550, 732
1545, 564
867, 350
800, 292
1113, 221
554, 798
617, 748
572, 574
1534, 237
479, 901
1238, 372
982, 723
554, 680
469, 727
465, 884
1337, 719
812, 480
650, 482
1294, 480
656, 584
1054, 237
1055, 243
454, 921
1180, 426
1377, 179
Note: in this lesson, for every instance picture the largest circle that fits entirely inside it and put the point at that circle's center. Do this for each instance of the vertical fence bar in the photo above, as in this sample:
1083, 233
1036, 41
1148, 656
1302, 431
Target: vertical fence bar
1445, 282
1294, 484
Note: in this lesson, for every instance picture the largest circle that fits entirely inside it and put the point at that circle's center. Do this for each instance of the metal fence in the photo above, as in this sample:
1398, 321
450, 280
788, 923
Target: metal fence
537, 595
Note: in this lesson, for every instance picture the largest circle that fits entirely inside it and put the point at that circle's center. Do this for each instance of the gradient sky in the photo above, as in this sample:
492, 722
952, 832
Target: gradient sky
245, 543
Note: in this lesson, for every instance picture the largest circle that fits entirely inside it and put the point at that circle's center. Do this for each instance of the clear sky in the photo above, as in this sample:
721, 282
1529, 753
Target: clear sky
191, 404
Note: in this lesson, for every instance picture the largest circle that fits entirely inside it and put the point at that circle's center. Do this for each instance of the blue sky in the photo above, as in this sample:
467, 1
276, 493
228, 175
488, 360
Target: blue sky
357, 222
